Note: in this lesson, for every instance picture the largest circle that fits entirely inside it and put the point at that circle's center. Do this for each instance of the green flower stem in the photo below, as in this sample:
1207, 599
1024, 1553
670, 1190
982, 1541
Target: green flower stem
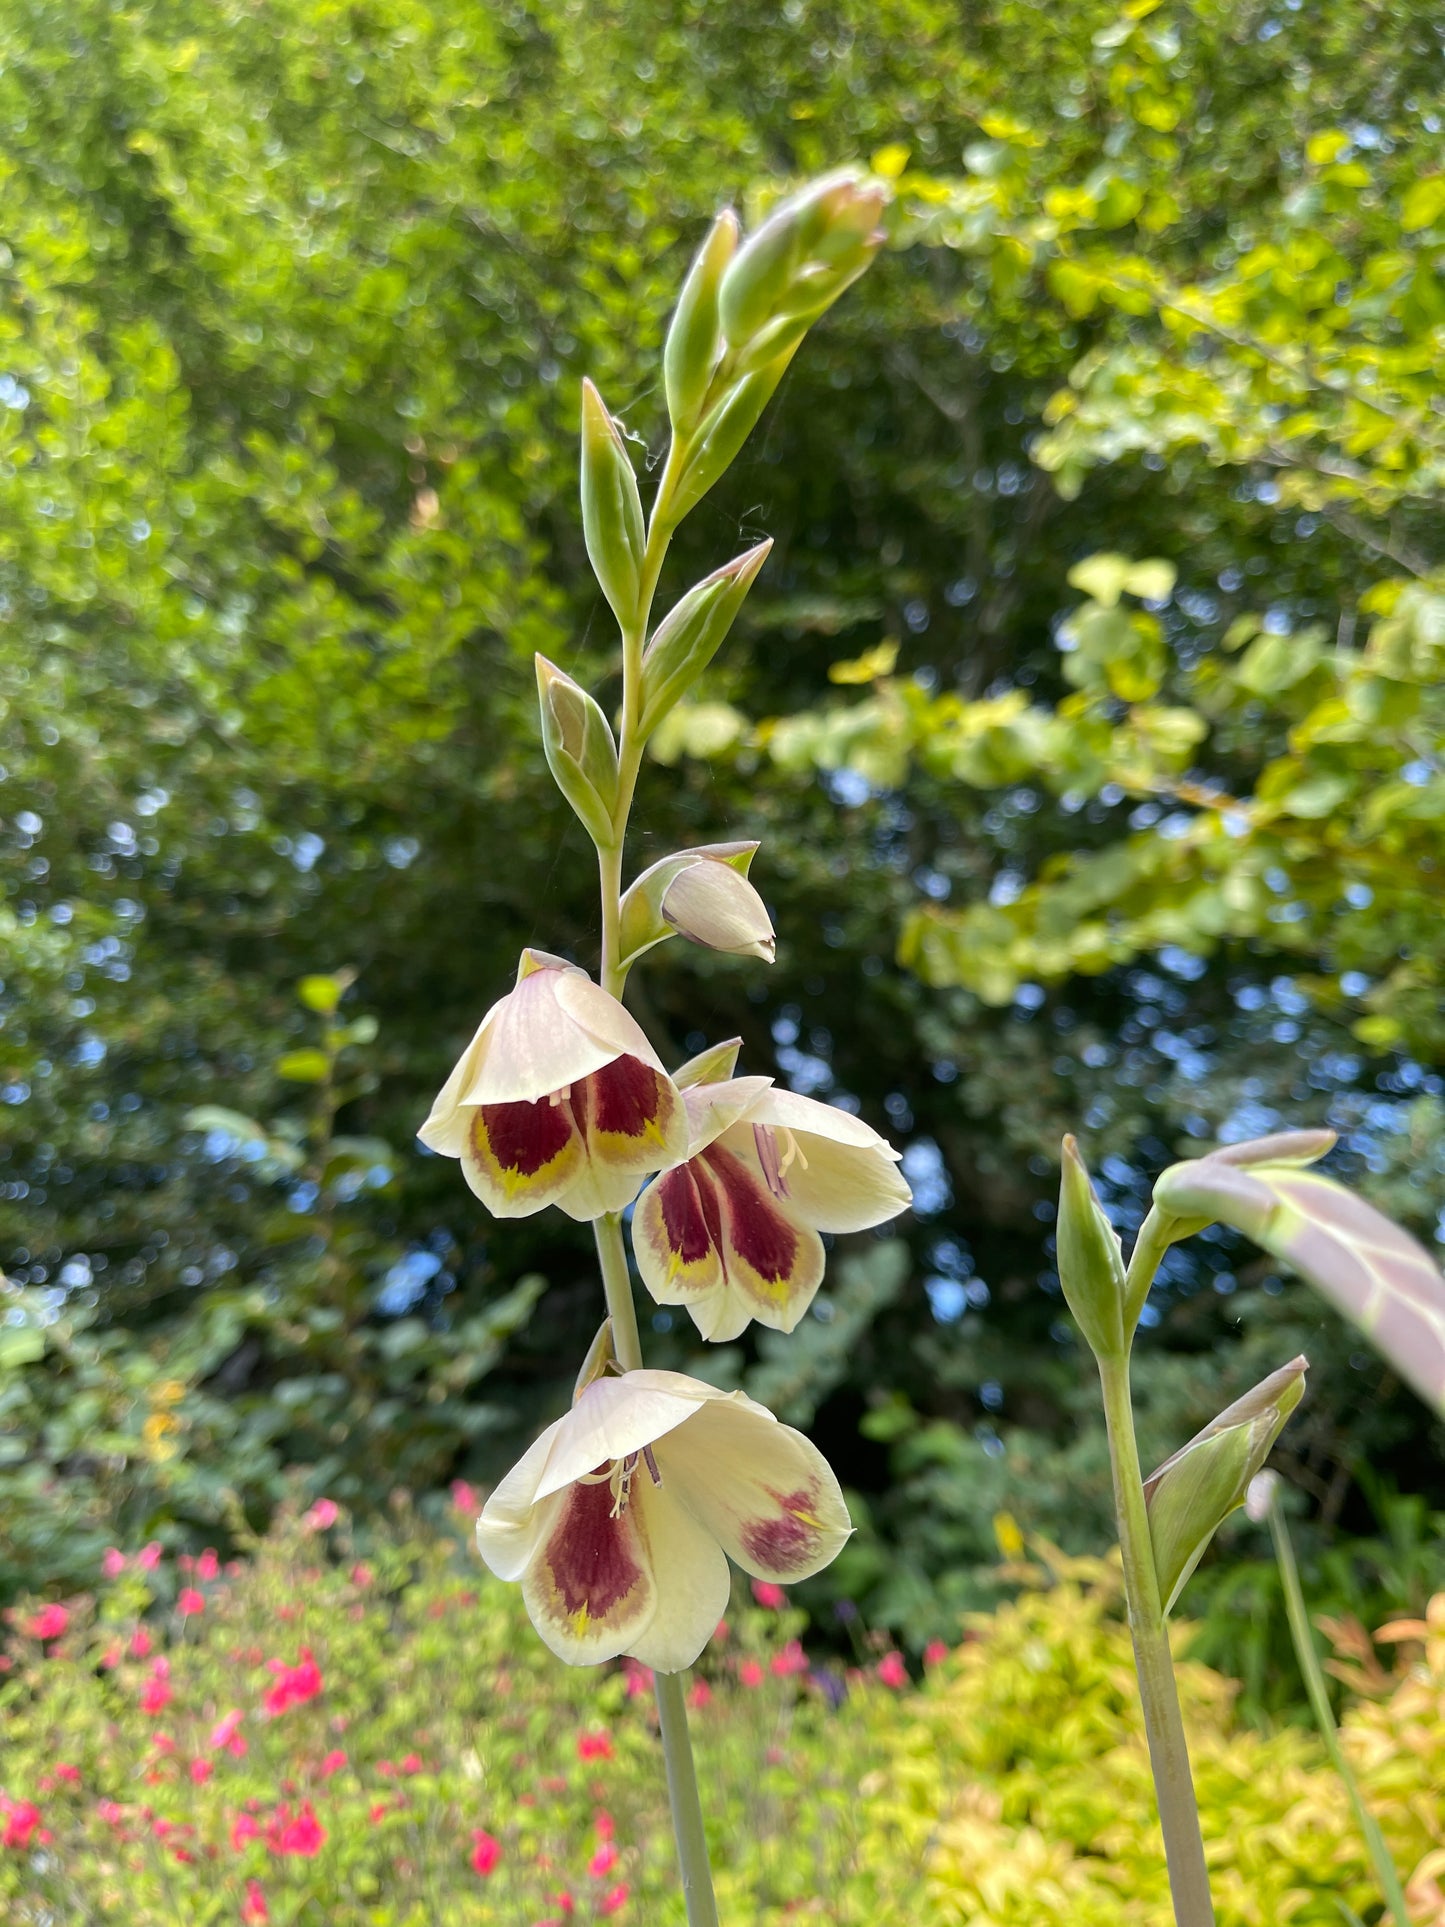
1168, 1751
682, 1791
1309, 1664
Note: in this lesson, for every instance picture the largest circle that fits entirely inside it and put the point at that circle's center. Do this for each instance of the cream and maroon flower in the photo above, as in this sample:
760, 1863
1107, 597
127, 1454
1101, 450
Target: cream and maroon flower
618, 1519
558, 1099
732, 1234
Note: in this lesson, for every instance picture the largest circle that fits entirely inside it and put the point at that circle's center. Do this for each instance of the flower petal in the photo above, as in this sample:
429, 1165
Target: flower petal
633, 1117
448, 1122
589, 1586
837, 1173
535, 1046
614, 1417
677, 1235
773, 1259
512, 1520
765, 1492
593, 1010
713, 1108
692, 1593
519, 1158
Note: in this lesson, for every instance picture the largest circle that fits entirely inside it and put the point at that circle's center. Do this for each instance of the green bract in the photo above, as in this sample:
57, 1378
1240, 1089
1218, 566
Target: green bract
692, 632
581, 753
1091, 1268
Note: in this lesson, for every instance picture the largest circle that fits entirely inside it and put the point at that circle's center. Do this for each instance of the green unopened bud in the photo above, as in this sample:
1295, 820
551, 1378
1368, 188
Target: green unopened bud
691, 633
1091, 1265
580, 751
712, 1066
694, 340
724, 429
1191, 1494
701, 894
611, 508
799, 261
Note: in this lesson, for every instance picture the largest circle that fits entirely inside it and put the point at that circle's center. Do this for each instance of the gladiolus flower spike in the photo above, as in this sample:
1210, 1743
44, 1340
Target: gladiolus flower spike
732, 1234
618, 1519
558, 1099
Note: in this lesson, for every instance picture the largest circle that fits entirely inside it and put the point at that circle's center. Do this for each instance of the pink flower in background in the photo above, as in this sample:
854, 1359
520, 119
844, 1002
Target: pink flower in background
323, 1515
606, 1826
333, 1763
140, 1643
464, 1498
639, 1678
149, 1557
254, 1911
603, 1861
294, 1684
157, 1693
411, 1764
750, 1673
594, 1746
201, 1771
614, 1901
49, 1623
71, 1774
303, 1835
208, 1566
486, 1851
935, 1652
190, 1601
791, 1660
111, 1811
224, 1733
244, 1827
768, 1595
114, 1562
699, 1695
361, 1575
22, 1820
892, 1671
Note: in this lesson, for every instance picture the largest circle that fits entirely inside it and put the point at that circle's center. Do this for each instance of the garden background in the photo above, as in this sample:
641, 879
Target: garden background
1088, 711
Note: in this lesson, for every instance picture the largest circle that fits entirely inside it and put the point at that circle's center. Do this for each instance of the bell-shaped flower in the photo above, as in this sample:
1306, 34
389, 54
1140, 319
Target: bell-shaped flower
732, 1234
618, 1519
558, 1099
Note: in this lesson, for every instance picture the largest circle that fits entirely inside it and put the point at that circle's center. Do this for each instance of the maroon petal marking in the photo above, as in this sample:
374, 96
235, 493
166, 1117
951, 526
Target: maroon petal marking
595, 1562
525, 1138
625, 1097
787, 1540
757, 1230
690, 1213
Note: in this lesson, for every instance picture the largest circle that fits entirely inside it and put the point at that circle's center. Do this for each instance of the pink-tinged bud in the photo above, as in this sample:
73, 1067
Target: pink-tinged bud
799, 261
701, 894
611, 508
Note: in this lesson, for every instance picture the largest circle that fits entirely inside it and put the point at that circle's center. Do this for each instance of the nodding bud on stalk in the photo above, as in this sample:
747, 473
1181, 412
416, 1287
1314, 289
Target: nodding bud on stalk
580, 751
692, 632
797, 264
1193, 1493
701, 894
611, 508
1091, 1266
694, 340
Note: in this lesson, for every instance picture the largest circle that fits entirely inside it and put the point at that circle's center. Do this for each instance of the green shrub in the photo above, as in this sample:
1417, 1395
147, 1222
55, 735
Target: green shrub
424, 1760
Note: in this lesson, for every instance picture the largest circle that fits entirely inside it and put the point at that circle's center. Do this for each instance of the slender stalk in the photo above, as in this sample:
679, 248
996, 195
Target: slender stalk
1309, 1664
682, 1790
1168, 1750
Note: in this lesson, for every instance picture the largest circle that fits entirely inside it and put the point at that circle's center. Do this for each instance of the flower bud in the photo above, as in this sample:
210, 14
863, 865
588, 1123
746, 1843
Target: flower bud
1191, 1494
1091, 1266
724, 429
694, 340
712, 1066
798, 263
692, 632
580, 751
711, 904
611, 508
702, 894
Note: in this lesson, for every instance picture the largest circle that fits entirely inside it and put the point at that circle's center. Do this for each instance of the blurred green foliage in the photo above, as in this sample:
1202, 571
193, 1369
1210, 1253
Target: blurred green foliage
338, 1725
1110, 501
